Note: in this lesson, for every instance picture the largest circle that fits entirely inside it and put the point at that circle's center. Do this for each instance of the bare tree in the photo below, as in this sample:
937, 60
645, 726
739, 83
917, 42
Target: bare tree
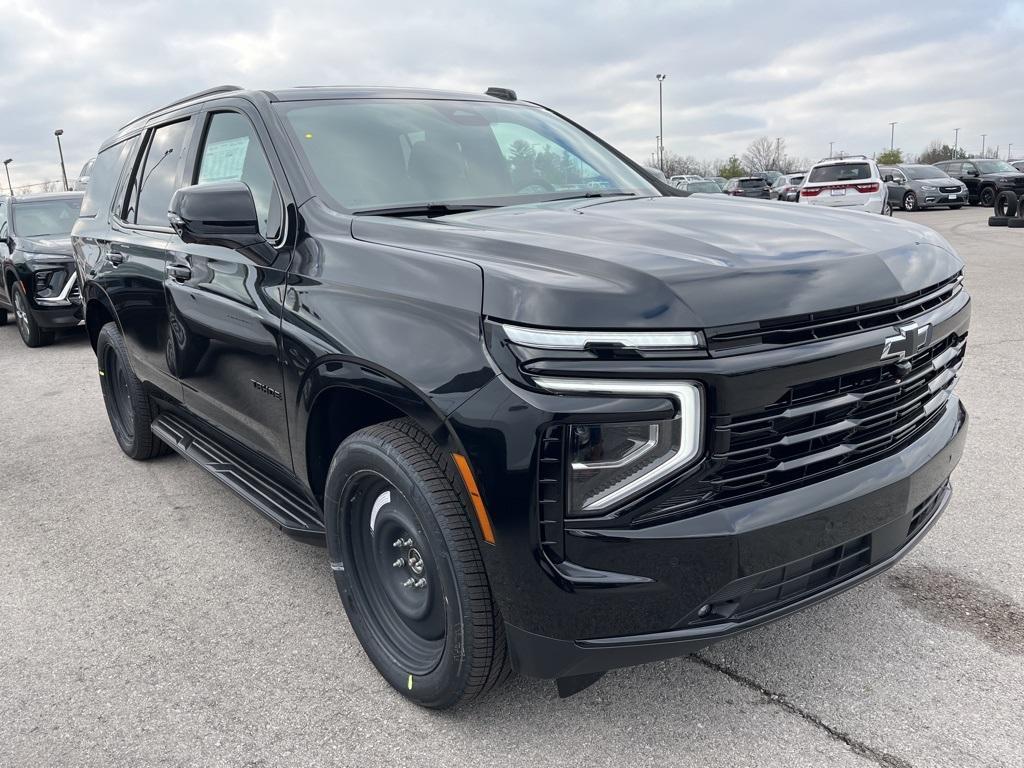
764, 154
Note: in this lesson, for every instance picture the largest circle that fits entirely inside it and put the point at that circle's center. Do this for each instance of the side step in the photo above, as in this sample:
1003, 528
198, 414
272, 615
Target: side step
290, 511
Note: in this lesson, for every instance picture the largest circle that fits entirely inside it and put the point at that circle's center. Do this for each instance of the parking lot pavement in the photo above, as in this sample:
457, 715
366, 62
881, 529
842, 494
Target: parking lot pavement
149, 617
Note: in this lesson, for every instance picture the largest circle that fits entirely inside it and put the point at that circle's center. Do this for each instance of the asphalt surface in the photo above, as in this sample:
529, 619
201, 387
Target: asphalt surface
149, 617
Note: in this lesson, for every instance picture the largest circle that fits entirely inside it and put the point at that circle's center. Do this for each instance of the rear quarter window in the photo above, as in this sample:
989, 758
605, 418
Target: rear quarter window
848, 172
105, 172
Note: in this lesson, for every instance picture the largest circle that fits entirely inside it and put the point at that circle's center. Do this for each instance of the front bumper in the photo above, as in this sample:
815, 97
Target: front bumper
933, 199
774, 556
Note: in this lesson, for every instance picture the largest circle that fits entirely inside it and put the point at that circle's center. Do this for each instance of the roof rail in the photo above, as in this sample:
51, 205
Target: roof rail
843, 157
186, 99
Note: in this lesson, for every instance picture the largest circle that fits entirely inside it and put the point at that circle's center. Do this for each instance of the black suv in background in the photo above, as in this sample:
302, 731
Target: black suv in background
749, 186
40, 284
546, 413
985, 178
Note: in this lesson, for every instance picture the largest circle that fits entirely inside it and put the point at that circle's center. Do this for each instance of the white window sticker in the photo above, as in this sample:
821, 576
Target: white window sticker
224, 160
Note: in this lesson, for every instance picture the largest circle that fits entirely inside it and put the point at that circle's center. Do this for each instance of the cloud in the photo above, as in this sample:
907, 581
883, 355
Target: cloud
810, 73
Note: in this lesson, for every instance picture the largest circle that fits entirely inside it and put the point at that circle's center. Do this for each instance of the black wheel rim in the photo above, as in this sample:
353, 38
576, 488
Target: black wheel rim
393, 574
120, 394
21, 313
987, 198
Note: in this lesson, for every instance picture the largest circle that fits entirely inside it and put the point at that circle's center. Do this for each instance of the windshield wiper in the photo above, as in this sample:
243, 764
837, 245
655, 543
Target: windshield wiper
592, 194
430, 210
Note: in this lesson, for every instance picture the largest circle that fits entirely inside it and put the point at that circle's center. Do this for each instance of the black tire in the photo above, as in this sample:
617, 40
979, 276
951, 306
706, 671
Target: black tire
1015, 223
886, 208
955, 207
997, 221
910, 202
1006, 204
3, 317
393, 493
31, 333
987, 197
129, 408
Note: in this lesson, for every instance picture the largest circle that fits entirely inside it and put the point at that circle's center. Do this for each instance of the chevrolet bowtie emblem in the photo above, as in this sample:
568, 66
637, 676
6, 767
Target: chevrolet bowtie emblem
910, 339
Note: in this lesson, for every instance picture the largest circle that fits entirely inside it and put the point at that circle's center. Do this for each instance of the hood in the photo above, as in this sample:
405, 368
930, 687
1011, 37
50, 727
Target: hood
1005, 176
51, 245
675, 262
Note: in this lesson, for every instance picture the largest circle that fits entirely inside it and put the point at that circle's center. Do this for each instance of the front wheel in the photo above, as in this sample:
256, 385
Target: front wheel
408, 567
988, 197
128, 406
31, 333
887, 208
910, 202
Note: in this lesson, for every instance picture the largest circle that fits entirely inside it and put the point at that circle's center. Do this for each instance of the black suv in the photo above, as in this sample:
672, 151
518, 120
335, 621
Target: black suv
985, 178
40, 282
546, 414
749, 186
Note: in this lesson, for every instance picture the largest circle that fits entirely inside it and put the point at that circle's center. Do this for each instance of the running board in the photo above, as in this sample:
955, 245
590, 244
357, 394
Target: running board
290, 511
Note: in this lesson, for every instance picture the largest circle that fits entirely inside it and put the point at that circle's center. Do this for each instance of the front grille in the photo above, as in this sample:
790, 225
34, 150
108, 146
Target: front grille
818, 430
775, 588
814, 326
825, 425
949, 190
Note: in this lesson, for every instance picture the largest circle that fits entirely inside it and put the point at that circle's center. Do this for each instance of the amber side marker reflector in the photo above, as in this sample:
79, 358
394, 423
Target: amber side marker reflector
474, 495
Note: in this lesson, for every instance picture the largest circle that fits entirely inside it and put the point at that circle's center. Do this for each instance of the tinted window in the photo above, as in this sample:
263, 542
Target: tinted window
40, 218
232, 152
157, 177
995, 166
968, 168
703, 186
105, 171
953, 169
378, 153
751, 183
848, 172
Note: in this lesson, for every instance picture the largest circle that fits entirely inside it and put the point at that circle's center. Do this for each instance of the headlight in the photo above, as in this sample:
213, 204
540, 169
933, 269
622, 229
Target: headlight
29, 256
611, 462
642, 340
928, 188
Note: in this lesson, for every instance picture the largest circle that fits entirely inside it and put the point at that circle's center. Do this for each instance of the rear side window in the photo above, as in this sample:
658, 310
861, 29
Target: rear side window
848, 172
156, 178
232, 152
105, 172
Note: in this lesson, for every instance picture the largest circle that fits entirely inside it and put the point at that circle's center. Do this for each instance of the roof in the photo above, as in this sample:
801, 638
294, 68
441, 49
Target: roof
45, 196
303, 93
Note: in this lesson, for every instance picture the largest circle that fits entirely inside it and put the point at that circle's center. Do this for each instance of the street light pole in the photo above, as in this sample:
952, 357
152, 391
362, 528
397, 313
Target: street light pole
63, 173
1009, 152
892, 135
661, 125
830, 149
7, 163
983, 144
956, 141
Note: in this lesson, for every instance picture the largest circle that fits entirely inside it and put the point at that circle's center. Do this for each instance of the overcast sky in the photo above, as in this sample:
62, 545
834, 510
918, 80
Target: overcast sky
811, 72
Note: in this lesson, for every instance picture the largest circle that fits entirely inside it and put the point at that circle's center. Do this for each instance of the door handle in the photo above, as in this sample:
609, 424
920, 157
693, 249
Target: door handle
179, 272
115, 257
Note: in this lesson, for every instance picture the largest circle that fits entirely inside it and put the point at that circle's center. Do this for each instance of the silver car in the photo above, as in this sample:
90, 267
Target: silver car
913, 187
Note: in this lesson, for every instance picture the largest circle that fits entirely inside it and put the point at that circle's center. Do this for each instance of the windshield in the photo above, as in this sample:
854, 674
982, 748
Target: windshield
994, 166
924, 172
703, 186
45, 217
382, 153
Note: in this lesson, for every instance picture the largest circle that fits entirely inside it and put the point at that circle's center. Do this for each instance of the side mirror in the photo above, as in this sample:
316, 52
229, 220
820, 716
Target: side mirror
221, 214
972, 173
888, 178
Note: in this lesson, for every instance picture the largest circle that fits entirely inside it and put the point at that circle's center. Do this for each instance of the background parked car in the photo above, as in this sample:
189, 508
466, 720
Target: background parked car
40, 282
770, 176
922, 186
984, 178
748, 186
683, 178
853, 183
704, 185
721, 181
1018, 164
79, 184
787, 188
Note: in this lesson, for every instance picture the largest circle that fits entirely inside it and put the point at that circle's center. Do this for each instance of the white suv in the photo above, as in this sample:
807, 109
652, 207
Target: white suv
853, 183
